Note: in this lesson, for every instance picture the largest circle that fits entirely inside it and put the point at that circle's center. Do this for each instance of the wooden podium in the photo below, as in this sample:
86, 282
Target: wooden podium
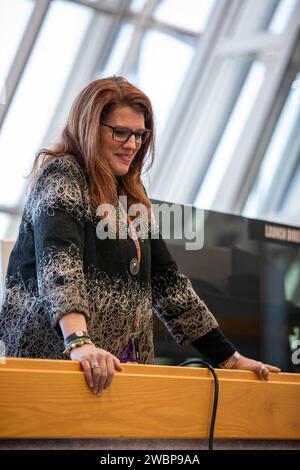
50, 399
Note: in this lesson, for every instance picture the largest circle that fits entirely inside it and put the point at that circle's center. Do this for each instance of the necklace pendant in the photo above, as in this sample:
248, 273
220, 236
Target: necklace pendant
134, 266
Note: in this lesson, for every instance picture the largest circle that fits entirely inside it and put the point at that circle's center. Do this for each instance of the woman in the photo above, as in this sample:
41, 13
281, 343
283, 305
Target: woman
71, 291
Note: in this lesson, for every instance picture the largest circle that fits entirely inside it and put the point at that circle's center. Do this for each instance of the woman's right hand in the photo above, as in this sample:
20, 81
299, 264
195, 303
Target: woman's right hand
98, 365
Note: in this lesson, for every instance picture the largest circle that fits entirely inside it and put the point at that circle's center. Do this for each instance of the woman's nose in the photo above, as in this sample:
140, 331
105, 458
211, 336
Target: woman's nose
130, 142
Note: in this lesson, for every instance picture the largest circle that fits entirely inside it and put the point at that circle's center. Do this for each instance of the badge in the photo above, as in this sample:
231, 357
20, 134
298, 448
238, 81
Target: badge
134, 266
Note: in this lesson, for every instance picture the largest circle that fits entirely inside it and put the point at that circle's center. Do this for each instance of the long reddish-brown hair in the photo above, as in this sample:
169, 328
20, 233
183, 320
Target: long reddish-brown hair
80, 139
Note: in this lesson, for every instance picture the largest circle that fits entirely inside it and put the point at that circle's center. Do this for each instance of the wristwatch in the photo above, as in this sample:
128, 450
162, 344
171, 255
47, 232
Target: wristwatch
230, 363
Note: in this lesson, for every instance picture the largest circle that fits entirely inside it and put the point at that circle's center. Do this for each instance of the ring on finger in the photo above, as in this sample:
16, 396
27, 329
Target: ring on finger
262, 370
95, 365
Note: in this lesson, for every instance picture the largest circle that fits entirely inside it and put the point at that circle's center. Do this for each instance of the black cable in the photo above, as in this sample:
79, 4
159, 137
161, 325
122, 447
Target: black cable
216, 397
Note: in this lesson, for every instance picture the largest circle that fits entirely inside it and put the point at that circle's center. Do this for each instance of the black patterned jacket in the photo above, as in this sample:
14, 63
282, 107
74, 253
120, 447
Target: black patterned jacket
59, 265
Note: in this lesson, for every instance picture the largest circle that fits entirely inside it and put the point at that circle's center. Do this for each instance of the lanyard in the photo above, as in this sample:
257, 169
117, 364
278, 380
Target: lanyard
134, 265
135, 239
135, 271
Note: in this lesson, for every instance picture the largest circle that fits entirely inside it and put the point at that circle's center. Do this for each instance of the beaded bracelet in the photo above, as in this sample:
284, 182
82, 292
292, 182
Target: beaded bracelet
76, 343
72, 340
76, 335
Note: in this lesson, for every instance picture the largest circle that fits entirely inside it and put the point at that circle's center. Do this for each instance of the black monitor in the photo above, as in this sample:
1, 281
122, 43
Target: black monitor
248, 274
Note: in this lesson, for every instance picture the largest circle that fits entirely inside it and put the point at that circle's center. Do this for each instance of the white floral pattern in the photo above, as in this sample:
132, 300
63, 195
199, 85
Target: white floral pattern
58, 266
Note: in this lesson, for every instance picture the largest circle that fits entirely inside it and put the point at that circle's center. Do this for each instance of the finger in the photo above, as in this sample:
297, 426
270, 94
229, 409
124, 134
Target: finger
97, 372
102, 377
87, 372
263, 372
117, 364
273, 368
110, 372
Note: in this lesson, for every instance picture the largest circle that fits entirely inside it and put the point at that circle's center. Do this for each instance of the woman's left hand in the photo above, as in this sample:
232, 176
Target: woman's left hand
263, 370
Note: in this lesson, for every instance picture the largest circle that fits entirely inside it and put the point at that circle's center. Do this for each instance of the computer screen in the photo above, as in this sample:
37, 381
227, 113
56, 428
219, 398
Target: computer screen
248, 273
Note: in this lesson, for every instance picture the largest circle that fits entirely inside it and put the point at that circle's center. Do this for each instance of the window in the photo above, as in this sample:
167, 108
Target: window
212, 69
271, 16
119, 51
38, 94
4, 224
284, 146
158, 75
137, 5
282, 15
231, 135
289, 207
191, 15
14, 17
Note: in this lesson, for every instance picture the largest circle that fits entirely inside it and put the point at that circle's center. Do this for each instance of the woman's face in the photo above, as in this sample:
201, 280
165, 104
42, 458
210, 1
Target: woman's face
120, 154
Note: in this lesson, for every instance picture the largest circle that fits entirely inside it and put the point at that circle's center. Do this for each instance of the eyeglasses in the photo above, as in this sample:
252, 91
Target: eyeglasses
123, 134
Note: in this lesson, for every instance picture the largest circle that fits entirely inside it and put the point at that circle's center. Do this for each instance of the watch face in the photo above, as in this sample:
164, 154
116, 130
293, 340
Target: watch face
79, 334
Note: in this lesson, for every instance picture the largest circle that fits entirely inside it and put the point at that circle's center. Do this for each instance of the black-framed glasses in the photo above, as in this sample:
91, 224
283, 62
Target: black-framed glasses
123, 134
